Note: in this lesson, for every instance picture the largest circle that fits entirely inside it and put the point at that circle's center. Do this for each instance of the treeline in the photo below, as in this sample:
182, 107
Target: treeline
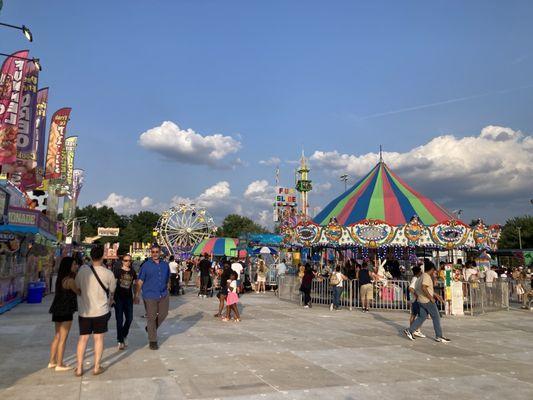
139, 227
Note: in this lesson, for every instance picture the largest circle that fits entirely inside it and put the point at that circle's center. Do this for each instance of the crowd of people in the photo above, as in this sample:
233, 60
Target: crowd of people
92, 287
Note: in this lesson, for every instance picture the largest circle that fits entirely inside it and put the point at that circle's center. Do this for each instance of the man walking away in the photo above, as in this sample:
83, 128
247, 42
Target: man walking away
364, 277
97, 285
205, 275
426, 298
336, 280
415, 307
173, 265
153, 282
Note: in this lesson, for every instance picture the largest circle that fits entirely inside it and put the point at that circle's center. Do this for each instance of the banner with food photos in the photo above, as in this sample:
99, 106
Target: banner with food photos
12, 77
78, 177
22, 170
56, 141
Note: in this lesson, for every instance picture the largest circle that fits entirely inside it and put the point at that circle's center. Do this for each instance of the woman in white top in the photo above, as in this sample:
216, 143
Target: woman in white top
336, 280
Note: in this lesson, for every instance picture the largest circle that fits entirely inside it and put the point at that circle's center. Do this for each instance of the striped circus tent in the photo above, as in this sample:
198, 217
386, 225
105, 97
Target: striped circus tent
382, 195
217, 246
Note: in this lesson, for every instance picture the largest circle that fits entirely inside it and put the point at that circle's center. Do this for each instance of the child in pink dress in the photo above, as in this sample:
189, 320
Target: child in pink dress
232, 299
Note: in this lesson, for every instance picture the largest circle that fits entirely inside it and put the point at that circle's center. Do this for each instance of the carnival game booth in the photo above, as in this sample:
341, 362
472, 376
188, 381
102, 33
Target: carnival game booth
381, 217
27, 243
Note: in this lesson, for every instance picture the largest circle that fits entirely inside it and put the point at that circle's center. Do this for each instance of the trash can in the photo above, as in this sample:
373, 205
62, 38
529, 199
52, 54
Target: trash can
35, 292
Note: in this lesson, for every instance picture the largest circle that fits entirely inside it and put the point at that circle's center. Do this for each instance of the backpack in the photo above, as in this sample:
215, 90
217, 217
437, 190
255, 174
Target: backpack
334, 279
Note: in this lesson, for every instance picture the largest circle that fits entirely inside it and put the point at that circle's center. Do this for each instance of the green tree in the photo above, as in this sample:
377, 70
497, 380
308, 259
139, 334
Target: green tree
509, 236
235, 225
133, 228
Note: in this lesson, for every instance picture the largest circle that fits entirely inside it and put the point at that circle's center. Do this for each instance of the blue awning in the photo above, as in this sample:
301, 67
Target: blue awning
19, 229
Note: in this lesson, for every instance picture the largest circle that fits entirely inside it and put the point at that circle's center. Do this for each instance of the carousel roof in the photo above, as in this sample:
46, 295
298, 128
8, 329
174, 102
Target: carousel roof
383, 195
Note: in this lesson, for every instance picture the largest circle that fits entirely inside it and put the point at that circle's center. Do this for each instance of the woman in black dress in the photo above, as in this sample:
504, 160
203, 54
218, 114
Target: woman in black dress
63, 307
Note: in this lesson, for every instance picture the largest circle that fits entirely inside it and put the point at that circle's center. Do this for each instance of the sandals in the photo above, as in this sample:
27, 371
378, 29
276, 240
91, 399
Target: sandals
78, 374
99, 371
217, 315
63, 368
51, 365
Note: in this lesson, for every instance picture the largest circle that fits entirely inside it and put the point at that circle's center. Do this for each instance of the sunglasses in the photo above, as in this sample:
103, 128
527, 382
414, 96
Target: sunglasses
124, 260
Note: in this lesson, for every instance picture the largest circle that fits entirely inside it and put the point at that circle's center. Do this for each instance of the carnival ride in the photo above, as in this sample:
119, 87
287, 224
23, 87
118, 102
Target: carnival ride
382, 212
183, 226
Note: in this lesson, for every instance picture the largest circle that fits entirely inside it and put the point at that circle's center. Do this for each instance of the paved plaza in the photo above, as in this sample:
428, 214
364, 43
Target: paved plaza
278, 351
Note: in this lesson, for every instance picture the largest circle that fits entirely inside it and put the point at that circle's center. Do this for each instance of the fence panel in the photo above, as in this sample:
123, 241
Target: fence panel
393, 295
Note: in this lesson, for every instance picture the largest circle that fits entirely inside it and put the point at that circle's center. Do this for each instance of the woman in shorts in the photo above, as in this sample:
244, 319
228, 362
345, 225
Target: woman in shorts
63, 307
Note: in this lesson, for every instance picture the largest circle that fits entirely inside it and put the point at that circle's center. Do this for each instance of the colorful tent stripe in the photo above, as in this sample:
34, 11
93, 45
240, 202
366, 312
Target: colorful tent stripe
217, 247
382, 194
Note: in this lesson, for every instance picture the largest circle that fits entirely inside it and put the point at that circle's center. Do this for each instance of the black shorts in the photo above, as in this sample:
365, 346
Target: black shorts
415, 308
93, 324
62, 318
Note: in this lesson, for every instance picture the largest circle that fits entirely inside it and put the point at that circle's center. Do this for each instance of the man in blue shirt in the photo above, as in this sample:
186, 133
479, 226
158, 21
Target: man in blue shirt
153, 281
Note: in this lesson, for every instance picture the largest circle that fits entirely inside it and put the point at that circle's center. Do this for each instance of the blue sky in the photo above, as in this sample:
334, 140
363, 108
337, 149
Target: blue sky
279, 76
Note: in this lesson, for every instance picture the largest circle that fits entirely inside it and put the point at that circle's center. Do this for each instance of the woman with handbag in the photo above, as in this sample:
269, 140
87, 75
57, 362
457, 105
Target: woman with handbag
63, 307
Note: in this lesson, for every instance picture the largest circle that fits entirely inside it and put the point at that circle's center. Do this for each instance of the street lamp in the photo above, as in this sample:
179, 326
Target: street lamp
34, 60
25, 30
519, 237
344, 178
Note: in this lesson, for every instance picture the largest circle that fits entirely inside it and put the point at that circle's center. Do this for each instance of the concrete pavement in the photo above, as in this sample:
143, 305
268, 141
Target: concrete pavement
278, 351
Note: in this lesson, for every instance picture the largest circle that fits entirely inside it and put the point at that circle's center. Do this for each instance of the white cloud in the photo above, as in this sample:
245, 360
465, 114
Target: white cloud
321, 188
493, 167
271, 162
217, 199
121, 204
189, 147
260, 192
147, 202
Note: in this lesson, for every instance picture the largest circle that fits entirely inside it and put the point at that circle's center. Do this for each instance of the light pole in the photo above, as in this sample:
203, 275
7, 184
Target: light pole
345, 178
25, 30
519, 228
34, 60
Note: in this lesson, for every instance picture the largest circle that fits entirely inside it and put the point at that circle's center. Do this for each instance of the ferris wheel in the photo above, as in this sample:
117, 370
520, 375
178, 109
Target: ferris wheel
183, 226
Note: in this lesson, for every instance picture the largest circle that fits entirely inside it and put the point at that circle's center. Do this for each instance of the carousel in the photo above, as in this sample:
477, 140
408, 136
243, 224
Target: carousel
381, 215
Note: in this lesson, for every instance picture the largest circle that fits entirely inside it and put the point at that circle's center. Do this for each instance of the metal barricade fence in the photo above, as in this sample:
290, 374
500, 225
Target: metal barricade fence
483, 297
394, 295
513, 284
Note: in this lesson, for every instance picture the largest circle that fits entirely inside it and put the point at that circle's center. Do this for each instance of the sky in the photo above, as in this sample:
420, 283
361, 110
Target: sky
192, 100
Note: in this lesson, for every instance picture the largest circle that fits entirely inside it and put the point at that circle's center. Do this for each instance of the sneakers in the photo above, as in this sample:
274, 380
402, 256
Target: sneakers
408, 334
306, 306
121, 346
331, 307
154, 346
125, 343
417, 333
442, 339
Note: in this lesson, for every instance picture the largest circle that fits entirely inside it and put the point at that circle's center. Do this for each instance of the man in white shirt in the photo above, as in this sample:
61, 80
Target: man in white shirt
281, 268
471, 272
490, 276
97, 285
174, 284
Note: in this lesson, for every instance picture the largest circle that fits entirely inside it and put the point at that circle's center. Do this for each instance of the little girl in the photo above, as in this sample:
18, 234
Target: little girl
232, 299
